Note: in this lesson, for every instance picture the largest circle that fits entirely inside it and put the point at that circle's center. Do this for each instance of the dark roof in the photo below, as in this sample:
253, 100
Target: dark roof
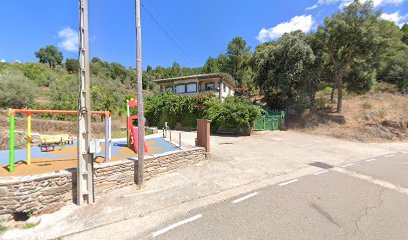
224, 77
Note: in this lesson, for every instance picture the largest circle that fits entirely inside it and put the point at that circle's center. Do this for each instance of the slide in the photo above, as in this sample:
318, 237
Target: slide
133, 135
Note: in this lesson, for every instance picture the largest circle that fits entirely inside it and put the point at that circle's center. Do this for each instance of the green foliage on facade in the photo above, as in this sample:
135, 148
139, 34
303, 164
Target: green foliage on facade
184, 110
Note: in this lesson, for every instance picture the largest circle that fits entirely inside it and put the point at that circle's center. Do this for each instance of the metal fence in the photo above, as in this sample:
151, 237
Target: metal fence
271, 120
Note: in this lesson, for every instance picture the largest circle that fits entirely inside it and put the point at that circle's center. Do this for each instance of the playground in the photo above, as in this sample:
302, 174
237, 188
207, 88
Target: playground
50, 153
66, 157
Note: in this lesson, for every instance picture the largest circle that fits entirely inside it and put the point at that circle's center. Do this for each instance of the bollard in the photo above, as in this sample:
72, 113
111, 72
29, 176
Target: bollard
179, 139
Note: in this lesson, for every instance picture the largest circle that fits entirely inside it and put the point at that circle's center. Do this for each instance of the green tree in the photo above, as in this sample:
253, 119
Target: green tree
211, 66
72, 65
404, 31
349, 36
175, 70
118, 71
287, 71
238, 52
391, 63
50, 55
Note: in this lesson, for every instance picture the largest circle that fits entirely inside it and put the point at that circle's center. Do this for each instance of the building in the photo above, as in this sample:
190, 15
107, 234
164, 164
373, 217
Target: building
218, 83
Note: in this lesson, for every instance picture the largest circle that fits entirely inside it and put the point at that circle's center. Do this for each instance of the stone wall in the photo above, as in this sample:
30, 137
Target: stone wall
45, 193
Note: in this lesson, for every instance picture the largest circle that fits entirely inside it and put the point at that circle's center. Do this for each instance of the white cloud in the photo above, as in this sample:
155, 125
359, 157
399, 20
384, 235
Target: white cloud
2, 60
17, 61
69, 39
344, 3
395, 17
312, 7
303, 23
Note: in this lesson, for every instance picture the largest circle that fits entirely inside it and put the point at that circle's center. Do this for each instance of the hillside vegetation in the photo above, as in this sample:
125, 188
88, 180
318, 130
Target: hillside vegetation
373, 117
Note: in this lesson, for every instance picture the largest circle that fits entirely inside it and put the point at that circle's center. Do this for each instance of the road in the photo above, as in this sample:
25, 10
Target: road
367, 199
196, 202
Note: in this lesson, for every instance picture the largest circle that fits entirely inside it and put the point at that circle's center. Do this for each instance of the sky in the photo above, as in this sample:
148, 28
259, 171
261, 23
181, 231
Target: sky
185, 31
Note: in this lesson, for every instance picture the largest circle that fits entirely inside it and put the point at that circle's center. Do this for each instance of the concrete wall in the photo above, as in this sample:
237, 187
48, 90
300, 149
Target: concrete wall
46, 193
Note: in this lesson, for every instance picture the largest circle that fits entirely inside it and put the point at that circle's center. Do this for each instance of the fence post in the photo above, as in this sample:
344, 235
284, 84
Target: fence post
179, 139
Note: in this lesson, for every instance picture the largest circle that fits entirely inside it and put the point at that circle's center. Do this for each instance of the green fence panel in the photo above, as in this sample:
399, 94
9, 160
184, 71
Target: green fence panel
271, 121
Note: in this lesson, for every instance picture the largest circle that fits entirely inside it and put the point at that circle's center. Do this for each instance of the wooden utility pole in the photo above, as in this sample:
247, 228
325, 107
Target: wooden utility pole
139, 169
85, 157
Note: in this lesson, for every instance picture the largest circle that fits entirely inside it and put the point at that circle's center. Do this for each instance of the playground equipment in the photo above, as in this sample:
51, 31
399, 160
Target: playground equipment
48, 142
132, 131
52, 139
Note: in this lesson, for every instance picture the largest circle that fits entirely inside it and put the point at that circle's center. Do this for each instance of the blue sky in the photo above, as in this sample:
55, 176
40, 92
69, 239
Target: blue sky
201, 28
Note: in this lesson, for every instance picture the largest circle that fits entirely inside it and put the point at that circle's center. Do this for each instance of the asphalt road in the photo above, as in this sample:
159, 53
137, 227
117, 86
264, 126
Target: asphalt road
364, 200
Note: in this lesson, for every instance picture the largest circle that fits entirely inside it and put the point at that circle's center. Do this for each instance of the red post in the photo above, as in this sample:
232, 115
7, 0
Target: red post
203, 134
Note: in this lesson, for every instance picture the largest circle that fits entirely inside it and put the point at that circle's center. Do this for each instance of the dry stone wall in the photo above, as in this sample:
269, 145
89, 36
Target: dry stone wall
46, 193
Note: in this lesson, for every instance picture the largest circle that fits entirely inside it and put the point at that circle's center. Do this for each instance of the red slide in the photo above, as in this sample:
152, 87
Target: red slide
133, 133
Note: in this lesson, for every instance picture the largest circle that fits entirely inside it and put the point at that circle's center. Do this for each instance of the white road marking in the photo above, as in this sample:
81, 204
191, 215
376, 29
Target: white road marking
321, 172
244, 198
370, 160
390, 155
166, 229
348, 165
288, 182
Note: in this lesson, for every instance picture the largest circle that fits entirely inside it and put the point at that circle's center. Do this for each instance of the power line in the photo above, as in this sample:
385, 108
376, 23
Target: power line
166, 23
168, 35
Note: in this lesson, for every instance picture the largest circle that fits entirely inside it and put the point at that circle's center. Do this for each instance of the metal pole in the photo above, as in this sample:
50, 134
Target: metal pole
85, 157
29, 139
179, 139
140, 113
11, 146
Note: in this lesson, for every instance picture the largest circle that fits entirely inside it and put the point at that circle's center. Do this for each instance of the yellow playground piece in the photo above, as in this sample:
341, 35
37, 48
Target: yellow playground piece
48, 142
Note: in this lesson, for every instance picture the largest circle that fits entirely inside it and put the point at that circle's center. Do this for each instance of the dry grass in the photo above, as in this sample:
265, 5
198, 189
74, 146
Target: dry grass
367, 118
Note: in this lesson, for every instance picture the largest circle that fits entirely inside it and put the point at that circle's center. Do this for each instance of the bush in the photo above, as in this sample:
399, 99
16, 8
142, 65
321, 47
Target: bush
16, 90
186, 109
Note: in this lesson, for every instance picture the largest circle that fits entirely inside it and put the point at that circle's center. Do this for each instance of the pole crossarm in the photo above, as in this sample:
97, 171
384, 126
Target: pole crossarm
13, 112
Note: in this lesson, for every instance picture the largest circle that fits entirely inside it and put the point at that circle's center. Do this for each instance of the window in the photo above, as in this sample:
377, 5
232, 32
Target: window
209, 86
192, 87
180, 88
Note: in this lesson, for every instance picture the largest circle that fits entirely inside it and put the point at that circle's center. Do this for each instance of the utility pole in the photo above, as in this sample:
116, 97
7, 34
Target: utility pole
85, 157
140, 114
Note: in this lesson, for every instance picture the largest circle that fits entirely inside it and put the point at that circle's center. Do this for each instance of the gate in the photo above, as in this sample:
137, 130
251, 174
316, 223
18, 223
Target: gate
272, 120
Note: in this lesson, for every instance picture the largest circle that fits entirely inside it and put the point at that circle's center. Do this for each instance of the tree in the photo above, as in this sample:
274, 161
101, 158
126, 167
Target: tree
349, 36
118, 71
50, 55
287, 71
175, 70
211, 66
392, 58
238, 52
72, 65
404, 31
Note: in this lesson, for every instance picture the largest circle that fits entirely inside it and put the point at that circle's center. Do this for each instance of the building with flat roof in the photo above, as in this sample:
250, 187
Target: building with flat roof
218, 83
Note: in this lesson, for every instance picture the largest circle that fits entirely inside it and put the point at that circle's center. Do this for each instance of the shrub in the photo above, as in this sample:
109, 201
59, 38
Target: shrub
16, 90
186, 109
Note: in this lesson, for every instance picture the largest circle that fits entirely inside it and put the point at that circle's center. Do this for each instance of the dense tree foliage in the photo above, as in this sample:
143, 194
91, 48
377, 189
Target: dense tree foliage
348, 36
50, 55
72, 65
184, 110
288, 71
